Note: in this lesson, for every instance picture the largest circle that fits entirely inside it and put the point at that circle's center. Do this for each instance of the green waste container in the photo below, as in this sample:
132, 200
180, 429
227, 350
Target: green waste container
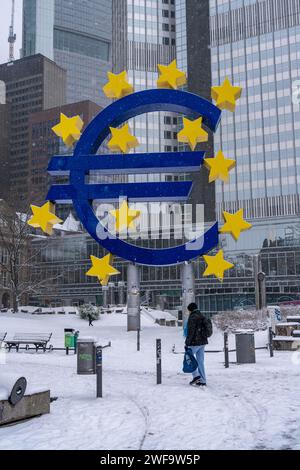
69, 338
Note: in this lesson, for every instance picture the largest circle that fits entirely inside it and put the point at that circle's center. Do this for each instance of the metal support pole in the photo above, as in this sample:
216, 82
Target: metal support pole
256, 269
133, 298
158, 361
226, 350
271, 342
121, 286
188, 287
111, 291
138, 340
99, 371
67, 351
105, 292
259, 283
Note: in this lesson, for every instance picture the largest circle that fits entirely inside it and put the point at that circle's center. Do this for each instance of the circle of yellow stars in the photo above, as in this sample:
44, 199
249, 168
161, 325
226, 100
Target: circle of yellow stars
122, 140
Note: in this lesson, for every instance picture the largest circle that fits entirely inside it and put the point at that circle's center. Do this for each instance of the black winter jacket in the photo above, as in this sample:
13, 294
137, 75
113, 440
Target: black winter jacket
196, 329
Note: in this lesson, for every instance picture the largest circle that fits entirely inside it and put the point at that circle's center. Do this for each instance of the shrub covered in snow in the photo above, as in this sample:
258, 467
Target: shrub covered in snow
88, 309
245, 319
250, 318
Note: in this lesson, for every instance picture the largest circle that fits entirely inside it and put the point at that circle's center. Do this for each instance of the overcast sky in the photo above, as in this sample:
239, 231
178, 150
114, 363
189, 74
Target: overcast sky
5, 15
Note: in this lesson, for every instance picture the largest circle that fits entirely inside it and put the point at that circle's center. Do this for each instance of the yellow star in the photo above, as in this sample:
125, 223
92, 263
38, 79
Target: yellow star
44, 217
102, 269
219, 167
235, 223
170, 76
192, 133
226, 95
117, 86
125, 217
69, 129
216, 265
122, 140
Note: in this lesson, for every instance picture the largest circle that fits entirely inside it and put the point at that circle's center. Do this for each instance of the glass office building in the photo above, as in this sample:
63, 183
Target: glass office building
144, 36
257, 45
77, 36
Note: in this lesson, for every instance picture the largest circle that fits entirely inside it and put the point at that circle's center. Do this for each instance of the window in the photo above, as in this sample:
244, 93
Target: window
81, 44
167, 135
165, 27
165, 13
166, 41
167, 120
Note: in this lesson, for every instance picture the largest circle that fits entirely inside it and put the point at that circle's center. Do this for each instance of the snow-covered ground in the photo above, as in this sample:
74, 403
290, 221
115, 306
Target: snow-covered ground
252, 406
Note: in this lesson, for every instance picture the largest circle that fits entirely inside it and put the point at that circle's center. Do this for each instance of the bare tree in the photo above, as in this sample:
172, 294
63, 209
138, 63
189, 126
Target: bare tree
19, 254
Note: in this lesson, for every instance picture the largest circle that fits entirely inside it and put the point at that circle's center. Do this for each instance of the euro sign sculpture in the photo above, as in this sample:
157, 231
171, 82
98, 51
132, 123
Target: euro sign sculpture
84, 160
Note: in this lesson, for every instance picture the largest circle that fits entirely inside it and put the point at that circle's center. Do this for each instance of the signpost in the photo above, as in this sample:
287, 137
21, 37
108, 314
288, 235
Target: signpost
99, 370
158, 361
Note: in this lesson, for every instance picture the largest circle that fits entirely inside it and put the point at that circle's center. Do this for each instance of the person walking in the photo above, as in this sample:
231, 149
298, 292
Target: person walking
199, 328
90, 318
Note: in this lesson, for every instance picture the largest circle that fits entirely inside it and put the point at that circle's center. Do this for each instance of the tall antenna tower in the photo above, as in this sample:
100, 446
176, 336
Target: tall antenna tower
12, 36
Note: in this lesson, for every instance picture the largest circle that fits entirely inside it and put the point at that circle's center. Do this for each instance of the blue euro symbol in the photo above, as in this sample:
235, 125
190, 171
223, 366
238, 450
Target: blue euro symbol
85, 160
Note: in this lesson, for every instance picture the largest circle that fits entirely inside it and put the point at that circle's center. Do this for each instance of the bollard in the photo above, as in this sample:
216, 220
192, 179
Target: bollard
138, 342
226, 351
67, 351
158, 361
271, 342
99, 370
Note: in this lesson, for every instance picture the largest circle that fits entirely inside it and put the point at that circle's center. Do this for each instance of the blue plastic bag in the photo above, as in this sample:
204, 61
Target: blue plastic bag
189, 362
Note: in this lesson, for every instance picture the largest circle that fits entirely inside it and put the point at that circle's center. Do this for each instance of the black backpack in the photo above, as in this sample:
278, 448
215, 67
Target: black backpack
208, 327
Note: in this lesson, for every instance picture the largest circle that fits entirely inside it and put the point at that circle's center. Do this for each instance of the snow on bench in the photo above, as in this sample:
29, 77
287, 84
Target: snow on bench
39, 340
294, 318
286, 338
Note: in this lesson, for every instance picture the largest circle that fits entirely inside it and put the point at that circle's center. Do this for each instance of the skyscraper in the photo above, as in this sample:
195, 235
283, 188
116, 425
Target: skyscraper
256, 45
194, 57
44, 143
32, 84
144, 36
75, 34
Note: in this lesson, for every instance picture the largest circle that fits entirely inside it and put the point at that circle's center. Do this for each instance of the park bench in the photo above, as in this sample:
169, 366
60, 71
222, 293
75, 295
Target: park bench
2, 336
39, 340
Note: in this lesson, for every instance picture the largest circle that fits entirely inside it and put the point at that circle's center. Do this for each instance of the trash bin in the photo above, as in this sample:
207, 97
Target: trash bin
245, 347
86, 356
69, 338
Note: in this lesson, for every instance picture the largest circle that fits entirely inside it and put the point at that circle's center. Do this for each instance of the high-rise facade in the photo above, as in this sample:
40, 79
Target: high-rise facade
44, 143
144, 36
194, 57
32, 84
77, 36
255, 43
